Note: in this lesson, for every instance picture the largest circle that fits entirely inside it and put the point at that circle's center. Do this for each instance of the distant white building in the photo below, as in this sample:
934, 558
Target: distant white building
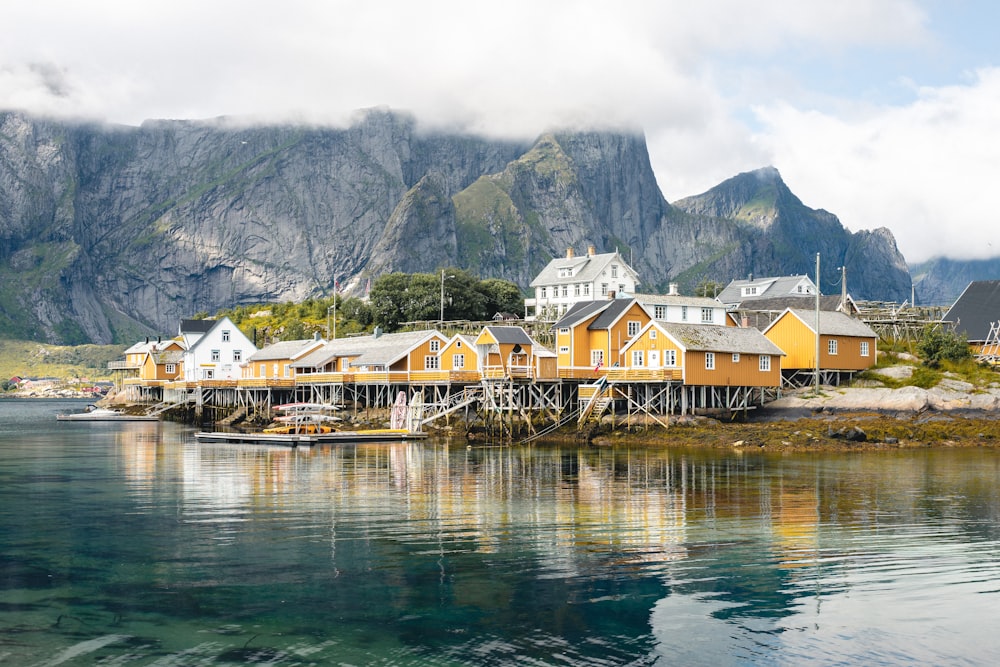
572, 279
216, 350
751, 289
674, 307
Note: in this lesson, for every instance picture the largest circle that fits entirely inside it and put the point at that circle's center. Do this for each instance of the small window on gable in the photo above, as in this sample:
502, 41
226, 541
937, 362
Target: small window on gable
652, 334
225, 335
435, 345
736, 357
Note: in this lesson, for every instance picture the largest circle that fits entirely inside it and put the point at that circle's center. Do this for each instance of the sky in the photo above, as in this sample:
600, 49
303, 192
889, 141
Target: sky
883, 112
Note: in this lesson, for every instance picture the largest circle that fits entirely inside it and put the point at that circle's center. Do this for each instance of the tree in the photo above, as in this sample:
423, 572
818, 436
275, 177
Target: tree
501, 296
937, 344
709, 288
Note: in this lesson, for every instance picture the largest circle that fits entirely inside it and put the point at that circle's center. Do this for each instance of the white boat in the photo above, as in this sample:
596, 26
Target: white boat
96, 414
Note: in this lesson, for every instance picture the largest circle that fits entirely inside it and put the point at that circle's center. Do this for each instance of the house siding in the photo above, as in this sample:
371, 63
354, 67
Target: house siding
727, 373
799, 344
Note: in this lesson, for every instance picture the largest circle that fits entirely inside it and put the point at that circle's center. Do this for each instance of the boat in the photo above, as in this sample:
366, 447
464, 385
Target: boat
96, 414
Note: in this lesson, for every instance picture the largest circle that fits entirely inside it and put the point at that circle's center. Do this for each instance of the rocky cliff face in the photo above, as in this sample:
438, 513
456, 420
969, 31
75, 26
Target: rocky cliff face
107, 233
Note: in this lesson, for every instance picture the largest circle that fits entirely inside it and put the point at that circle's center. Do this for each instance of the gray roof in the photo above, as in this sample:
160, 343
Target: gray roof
800, 301
367, 350
976, 309
580, 311
285, 349
772, 286
508, 335
712, 338
832, 323
168, 357
586, 269
196, 326
612, 313
676, 300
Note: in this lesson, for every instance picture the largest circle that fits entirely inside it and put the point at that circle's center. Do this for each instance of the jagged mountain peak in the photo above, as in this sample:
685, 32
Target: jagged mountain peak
755, 197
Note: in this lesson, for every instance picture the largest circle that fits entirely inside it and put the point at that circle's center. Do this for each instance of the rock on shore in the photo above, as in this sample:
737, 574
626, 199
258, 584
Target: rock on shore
948, 395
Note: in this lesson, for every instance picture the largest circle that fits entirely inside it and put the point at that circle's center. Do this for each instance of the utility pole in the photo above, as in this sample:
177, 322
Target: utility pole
817, 323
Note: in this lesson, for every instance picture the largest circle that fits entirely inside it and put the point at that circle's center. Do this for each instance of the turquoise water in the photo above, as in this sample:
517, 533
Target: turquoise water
131, 544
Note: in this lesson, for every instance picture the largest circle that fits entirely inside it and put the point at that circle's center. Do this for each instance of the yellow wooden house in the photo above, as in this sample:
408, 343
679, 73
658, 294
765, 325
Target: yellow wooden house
509, 352
460, 359
845, 345
590, 337
700, 355
273, 365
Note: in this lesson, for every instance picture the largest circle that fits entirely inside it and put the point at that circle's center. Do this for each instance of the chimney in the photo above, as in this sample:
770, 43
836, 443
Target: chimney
672, 291
750, 278
591, 250
569, 253
745, 322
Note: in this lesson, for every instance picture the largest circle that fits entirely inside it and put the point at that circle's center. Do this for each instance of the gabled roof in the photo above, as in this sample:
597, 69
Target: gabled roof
831, 323
676, 300
799, 301
167, 357
976, 309
196, 326
711, 338
509, 335
286, 349
612, 314
372, 350
465, 340
766, 287
586, 269
580, 311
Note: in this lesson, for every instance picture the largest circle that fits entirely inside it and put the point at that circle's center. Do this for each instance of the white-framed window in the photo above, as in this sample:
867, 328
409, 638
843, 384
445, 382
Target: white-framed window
458, 361
564, 349
652, 334
458, 343
637, 358
576, 289
710, 361
764, 362
586, 289
621, 288
660, 312
831, 346
604, 289
216, 355
706, 314
432, 362
749, 291
597, 358
274, 370
170, 369
288, 371
864, 348
670, 357
263, 370
225, 335
208, 373
435, 345
633, 327
237, 355
565, 291
614, 270
564, 330
736, 357
684, 313
541, 292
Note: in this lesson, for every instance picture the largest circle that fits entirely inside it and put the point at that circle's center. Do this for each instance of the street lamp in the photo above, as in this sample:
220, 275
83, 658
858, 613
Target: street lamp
441, 319
330, 309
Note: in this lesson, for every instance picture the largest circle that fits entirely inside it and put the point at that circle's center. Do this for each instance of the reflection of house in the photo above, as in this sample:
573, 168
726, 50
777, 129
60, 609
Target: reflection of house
216, 350
846, 344
742, 291
704, 355
509, 352
274, 362
975, 311
591, 335
571, 279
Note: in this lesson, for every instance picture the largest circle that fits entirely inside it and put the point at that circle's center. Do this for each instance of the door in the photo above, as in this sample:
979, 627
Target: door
654, 358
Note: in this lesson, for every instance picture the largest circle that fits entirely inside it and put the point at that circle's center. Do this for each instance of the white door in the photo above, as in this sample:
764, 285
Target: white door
654, 358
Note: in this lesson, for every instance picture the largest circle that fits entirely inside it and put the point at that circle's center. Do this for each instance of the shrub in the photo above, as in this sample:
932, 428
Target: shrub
938, 345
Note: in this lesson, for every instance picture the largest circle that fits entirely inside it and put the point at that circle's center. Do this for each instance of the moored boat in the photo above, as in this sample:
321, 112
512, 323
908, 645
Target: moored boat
96, 414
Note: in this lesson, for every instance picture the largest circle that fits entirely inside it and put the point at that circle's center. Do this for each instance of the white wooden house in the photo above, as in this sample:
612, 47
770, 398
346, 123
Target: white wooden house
217, 350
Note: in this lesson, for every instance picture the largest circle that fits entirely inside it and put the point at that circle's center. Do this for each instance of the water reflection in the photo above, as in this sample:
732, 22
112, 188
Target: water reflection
137, 545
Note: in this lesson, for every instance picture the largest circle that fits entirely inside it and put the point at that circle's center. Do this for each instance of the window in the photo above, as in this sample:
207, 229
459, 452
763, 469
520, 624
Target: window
208, 373
614, 270
660, 312
216, 355
288, 370
458, 343
564, 349
604, 289
764, 362
274, 370
684, 313
565, 291
263, 370
736, 357
670, 357
706, 314
458, 361
435, 345
710, 361
564, 330
170, 368
864, 348
596, 358
831, 346
586, 289
541, 292
637, 358
431, 362
225, 336
237, 355
621, 287
576, 289
652, 334
749, 291
633, 328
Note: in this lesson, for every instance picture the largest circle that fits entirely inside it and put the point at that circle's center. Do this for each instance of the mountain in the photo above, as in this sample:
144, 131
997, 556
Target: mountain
108, 232
940, 281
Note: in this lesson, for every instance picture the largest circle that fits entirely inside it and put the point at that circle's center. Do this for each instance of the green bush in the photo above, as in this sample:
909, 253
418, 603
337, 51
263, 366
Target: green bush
938, 345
